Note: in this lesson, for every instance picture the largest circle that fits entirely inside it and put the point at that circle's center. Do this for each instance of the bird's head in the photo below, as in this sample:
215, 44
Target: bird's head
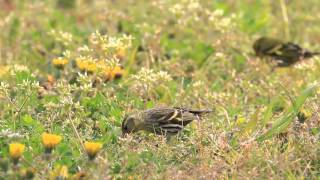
129, 124
258, 45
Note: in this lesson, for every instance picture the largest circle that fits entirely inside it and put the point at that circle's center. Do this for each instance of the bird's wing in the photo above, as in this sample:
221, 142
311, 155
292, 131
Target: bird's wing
275, 50
161, 114
267, 46
193, 111
170, 120
292, 48
290, 53
168, 115
163, 120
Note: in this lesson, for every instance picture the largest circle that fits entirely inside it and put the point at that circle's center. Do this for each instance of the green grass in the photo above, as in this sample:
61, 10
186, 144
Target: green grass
196, 55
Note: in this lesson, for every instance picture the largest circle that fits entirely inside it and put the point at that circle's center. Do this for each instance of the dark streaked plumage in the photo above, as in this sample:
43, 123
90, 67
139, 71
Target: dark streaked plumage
162, 120
284, 53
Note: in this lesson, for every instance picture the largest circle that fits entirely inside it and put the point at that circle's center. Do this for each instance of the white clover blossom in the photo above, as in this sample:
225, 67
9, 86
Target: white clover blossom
4, 85
18, 68
7, 133
63, 37
4, 89
147, 79
66, 53
106, 41
189, 12
66, 101
198, 84
85, 48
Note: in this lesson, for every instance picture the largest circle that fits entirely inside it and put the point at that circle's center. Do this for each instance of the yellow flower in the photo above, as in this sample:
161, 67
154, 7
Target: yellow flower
114, 73
91, 67
117, 72
92, 149
59, 172
86, 65
81, 63
15, 151
50, 141
60, 62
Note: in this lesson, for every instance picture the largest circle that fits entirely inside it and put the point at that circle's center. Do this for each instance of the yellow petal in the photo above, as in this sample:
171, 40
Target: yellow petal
16, 150
50, 140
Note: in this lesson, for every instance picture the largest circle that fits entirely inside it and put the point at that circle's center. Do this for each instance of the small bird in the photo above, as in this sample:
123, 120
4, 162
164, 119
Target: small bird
284, 53
162, 121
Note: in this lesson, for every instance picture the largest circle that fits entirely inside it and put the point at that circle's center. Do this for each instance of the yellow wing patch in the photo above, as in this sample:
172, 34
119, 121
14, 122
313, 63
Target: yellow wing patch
174, 116
275, 50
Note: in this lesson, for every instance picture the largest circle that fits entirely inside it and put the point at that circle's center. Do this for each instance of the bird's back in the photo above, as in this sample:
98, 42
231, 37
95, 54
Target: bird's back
265, 45
170, 120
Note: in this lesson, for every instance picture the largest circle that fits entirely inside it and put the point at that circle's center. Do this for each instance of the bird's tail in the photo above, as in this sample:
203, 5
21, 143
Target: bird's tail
196, 112
309, 54
201, 112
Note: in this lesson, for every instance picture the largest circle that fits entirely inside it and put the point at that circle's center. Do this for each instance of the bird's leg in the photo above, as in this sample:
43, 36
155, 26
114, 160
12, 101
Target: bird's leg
181, 117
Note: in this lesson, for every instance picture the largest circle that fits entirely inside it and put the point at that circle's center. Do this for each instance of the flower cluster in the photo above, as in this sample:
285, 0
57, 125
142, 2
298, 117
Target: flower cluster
50, 141
100, 58
107, 70
60, 62
146, 81
63, 37
86, 64
109, 43
193, 11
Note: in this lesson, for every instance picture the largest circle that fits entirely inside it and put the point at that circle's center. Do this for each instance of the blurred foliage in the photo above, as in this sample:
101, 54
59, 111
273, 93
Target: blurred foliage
75, 68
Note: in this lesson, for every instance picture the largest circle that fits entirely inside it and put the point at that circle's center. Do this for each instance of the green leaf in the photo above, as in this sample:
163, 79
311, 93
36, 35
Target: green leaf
28, 120
283, 122
23, 76
31, 123
268, 114
252, 124
149, 104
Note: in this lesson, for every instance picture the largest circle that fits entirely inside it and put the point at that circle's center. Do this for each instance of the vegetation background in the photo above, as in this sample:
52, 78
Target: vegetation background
74, 68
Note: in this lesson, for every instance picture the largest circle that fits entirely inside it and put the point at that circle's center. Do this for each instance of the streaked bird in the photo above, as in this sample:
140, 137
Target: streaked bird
162, 121
284, 53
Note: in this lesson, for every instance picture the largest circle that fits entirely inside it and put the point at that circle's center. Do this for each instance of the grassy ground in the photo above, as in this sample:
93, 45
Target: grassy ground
75, 70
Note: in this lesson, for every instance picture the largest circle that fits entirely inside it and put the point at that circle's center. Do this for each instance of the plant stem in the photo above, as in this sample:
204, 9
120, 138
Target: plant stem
285, 19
